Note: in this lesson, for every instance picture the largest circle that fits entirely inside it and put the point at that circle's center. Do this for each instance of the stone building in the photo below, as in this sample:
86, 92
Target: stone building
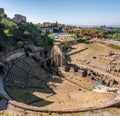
1, 11
75, 30
19, 18
44, 30
47, 24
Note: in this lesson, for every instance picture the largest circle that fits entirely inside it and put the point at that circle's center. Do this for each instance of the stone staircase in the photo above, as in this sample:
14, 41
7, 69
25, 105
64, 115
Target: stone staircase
22, 71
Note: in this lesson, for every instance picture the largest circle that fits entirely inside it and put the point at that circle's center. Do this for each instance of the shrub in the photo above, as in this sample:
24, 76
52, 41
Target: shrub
9, 24
26, 33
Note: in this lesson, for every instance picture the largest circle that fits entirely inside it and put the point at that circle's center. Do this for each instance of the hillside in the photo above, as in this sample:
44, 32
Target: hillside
14, 34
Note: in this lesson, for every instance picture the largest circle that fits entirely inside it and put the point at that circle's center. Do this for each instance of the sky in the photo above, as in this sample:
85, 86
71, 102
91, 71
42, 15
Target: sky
74, 12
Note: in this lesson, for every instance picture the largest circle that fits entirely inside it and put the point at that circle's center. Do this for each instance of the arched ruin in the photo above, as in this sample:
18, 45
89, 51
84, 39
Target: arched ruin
57, 55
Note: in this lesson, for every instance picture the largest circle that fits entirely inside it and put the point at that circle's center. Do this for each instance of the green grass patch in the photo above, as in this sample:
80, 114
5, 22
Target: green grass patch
114, 46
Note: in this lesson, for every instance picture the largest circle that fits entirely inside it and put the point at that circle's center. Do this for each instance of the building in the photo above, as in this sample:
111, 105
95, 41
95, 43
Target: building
19, 18
44, 30
47, 24
75, 30
1, 11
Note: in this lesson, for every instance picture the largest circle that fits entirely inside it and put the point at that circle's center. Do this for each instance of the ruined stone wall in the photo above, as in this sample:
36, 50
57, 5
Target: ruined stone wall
114, 65
88, 73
